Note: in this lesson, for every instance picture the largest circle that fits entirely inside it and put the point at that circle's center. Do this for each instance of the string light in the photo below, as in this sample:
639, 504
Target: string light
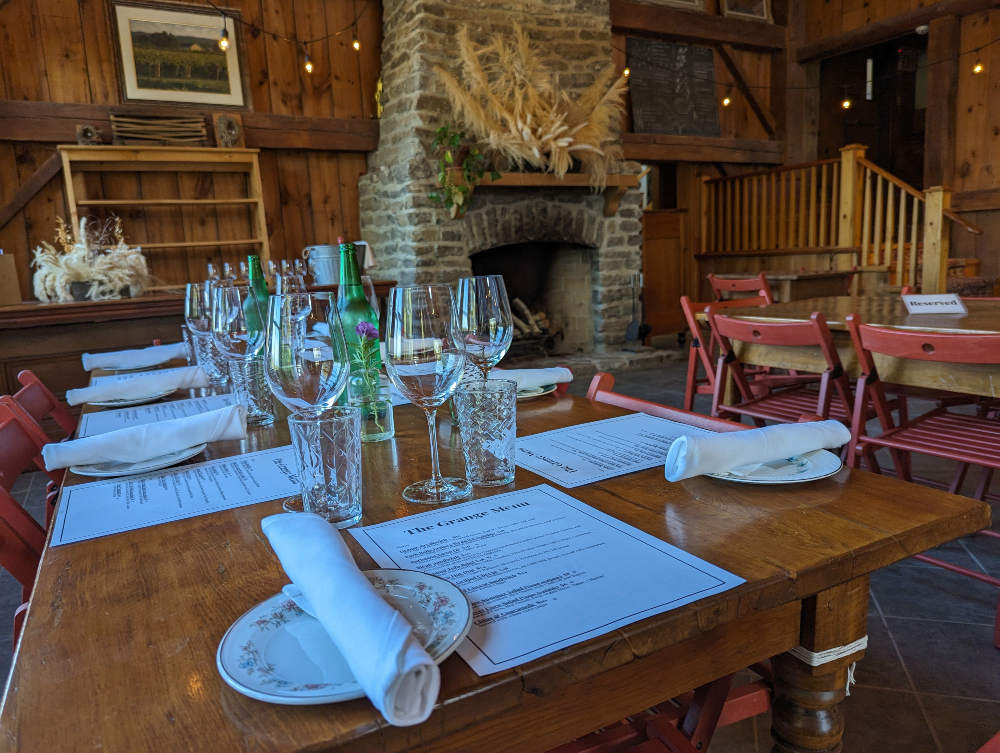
978, 67
224, 39
309, 65
626, 73
356, 44
846, 104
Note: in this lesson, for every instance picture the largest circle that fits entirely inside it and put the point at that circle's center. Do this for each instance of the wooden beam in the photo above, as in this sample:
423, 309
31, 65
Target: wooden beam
27, 190
640, 19
976, 201
943, 50
727, 54
56, 122
890, 28
649, 147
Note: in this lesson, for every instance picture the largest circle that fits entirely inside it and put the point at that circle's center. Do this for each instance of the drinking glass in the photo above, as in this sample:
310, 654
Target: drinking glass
288, 283
198, 316
369, 286
487, 415
484, 320
328, 456
305, 353
425, 357
240, 339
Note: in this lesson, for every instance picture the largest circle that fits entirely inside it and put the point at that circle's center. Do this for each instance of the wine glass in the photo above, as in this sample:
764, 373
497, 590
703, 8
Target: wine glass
305, 352
484, 320
234, 332
425, 357
369, 286
198, 302
290, 283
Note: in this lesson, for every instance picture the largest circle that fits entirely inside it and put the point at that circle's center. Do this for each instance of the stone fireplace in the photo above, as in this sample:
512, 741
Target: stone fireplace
589, 257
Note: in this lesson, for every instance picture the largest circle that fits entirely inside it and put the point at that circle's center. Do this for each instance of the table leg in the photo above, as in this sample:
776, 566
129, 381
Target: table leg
806, 717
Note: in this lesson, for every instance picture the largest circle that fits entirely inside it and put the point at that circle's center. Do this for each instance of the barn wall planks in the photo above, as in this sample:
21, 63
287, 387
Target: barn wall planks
64, 51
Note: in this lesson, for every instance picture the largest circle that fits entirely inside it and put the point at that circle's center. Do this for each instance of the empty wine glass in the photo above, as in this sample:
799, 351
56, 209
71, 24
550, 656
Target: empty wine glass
306, 356
289, 283
425, 357
369, 286
239, 336
484, 320
198, 303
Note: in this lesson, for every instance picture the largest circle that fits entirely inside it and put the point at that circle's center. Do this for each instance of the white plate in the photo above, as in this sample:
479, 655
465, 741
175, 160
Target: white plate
112, 468
794, 470
524, 396
131, 369
279, 654
133, 401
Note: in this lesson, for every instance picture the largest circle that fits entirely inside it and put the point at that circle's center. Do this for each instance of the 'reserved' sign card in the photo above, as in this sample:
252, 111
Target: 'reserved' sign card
945, 303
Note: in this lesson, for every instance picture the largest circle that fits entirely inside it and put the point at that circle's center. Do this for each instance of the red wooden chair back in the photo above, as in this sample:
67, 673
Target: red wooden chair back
920, 346
703, 347
39, 402
791, 334
601, 391
21, 542
756, 284
22, 441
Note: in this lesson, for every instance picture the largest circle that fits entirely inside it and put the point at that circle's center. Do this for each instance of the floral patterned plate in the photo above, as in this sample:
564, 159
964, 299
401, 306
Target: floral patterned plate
809, 466
279, 654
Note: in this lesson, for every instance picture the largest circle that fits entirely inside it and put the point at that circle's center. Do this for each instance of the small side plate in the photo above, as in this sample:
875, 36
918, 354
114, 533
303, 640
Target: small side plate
111, 468
279, 654
810, 466
133, 401
524, 396
131, 369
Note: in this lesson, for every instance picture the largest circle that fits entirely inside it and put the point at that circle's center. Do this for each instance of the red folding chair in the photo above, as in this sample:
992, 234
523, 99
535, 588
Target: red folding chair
953, 436
831, 400
38, 402
22, 441
21, 544
687, 723
756, 285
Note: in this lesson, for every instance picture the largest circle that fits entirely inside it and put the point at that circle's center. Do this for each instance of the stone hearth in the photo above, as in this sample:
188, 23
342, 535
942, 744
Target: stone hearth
415, 239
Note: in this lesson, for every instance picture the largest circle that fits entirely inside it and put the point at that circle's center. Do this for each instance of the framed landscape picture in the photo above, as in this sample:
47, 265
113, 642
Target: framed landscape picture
757, 10
169, 52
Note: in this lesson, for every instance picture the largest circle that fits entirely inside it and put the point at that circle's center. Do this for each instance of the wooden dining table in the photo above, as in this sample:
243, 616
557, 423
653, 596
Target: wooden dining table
118, 647
880, 310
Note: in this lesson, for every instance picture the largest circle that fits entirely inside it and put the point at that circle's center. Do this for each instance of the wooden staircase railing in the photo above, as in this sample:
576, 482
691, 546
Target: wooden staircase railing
847, 205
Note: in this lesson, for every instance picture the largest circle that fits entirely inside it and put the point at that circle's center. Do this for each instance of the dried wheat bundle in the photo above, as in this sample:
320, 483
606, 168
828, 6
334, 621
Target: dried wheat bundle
101, 257
509, 99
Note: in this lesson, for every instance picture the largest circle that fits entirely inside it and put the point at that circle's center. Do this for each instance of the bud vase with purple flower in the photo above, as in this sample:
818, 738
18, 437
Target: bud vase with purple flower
365, 385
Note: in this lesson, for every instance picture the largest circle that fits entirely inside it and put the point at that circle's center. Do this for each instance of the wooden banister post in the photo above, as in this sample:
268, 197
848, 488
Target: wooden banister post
704, 214
851, 186
937, 241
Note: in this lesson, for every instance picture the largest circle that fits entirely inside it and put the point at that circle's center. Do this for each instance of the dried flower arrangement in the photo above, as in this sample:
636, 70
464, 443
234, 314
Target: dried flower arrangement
510, 100
100, 258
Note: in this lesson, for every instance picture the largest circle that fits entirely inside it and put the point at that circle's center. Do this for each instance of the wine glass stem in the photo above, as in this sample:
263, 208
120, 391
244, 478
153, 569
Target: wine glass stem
435, 465
486, 372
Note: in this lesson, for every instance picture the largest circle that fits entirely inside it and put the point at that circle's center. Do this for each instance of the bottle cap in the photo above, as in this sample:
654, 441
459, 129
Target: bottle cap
340, 239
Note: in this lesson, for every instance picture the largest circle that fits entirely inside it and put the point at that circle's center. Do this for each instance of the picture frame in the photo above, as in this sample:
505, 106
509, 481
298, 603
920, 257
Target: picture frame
753, 10
168, 52
696, 5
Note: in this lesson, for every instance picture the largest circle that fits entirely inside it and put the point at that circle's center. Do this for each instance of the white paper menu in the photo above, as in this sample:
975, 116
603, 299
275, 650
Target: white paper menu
131, 375
542, 571
126, 503
92, 424
585, 453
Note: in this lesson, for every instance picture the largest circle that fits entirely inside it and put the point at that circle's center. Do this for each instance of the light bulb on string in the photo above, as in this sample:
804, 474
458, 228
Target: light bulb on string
846, 102
309, 65
224, 39
727, 98
978, 67
356, 44
726, 101
626, 73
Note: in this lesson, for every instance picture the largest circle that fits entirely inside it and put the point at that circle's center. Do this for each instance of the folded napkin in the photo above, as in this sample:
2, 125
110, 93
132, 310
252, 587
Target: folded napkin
529, 379
691, 455
394, 670
140, 385
135, 359
138, 443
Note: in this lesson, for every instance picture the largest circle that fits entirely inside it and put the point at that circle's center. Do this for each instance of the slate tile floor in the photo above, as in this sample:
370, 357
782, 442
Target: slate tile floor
930, 681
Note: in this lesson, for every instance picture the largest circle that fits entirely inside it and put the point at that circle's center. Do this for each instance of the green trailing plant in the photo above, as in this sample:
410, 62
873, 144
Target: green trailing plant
460, 169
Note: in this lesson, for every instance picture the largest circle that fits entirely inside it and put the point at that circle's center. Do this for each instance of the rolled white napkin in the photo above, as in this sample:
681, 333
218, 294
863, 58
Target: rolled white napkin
135, 359
395, 671
691, 456
529, 379
140, 385
138, 443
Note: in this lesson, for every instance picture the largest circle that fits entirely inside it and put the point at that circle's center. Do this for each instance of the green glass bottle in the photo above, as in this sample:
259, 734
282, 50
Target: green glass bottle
354, 308
256, 315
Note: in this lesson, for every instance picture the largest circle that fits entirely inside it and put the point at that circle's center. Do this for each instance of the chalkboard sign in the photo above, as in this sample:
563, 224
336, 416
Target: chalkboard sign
672, 88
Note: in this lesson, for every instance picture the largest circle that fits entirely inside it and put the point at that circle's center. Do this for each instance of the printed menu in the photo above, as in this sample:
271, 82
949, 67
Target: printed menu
122, 418
542, 571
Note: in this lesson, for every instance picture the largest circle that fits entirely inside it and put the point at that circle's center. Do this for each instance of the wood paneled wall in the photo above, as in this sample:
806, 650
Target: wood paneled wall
828, 18
63, 51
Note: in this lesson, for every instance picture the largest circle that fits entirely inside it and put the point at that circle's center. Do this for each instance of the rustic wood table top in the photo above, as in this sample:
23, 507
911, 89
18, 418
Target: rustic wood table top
118, 649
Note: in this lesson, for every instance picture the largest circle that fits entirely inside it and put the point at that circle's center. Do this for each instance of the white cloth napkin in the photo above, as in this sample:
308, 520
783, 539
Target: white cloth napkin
140, 385
135, 359
529, 379
138, 443
394, 670
691, 456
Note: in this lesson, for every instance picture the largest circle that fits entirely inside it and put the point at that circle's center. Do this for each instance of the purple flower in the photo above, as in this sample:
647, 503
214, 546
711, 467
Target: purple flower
367, 331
